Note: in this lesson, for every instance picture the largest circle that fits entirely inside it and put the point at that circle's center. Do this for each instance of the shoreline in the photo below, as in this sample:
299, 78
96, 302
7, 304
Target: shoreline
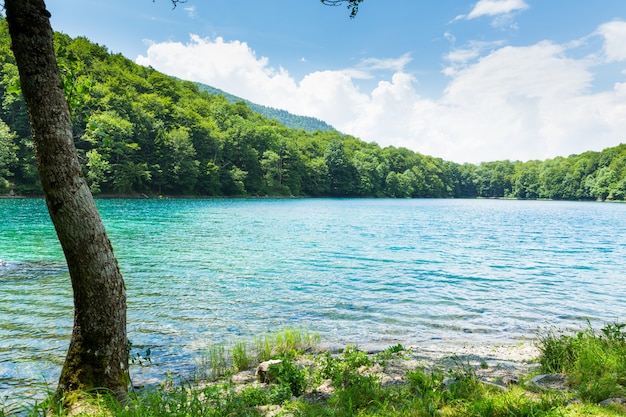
491, 361
516, 351
142, 196
509, 358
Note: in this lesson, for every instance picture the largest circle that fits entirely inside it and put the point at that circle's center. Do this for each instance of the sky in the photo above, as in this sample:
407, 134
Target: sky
463, 80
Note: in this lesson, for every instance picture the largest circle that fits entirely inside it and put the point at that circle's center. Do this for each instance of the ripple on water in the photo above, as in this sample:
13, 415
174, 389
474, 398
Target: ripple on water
201, 272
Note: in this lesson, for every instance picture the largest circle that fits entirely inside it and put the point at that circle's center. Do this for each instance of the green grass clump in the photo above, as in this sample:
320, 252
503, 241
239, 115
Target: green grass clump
219, 361
215, 362
289, 379
595, 362
354, 388
241, 357
288, 340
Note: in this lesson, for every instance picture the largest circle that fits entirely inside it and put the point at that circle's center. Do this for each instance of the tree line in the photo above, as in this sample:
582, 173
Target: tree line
139, 131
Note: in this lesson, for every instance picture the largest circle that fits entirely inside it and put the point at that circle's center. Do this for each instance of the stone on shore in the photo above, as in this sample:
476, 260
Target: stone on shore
263, 371
550, 381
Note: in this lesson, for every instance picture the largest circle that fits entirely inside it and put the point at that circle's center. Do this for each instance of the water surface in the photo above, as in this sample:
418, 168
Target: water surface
367, 272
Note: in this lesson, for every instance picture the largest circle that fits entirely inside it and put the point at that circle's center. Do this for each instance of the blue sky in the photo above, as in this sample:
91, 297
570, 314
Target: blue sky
467, 81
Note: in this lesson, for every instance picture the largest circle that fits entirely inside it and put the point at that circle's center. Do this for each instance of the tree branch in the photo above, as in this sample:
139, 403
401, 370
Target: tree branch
174, 2
353, 5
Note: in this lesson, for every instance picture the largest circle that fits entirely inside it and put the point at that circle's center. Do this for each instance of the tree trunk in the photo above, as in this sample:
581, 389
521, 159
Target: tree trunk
97, 356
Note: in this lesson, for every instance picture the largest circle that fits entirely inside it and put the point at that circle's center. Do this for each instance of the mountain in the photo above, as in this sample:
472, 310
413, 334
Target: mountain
309, 124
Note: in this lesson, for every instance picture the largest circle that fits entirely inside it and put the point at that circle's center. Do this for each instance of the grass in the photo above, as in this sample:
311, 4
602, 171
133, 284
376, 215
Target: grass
594, 360
219, 361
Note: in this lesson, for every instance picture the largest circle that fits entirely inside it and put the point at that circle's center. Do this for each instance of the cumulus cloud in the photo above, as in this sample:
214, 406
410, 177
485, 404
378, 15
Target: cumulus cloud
501, 102
614, 34
231, 66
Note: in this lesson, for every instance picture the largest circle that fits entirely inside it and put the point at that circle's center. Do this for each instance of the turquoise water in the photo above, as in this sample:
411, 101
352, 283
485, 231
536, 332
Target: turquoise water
367, 272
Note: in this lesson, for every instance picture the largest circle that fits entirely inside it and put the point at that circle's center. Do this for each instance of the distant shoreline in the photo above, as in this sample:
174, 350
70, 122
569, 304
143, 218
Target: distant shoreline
255, 197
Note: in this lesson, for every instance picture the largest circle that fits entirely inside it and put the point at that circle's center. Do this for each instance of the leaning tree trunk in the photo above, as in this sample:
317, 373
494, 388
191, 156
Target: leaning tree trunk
97, 356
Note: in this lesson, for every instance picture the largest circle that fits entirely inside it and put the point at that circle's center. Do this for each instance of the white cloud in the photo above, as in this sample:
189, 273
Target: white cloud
396, 64
501, 11
496, 7
191, 11
461, 57
230, 66
614, 34
531, 102
517, 103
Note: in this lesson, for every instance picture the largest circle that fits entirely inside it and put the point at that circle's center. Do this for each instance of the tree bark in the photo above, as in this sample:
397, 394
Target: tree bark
97, 356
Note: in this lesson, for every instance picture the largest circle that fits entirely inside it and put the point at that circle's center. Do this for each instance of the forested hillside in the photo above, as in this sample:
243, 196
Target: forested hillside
139, 131
310, 124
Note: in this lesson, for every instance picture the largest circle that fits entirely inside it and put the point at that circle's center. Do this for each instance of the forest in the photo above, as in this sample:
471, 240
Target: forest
140, 132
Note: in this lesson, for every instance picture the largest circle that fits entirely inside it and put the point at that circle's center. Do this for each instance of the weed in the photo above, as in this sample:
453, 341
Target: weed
395, 349
215, 362
557, 352
288, 340
263, 347
340, 370
615, 332
292, 339
464, 382
241, 358
288, 375
355, 358
595, 361
390, 352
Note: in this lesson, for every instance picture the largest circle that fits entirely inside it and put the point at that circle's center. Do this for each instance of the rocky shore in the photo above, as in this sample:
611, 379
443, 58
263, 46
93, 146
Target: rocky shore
494, 364
497, 365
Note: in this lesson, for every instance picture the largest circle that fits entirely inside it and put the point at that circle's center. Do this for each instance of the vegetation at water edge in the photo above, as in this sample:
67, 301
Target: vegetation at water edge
593, 361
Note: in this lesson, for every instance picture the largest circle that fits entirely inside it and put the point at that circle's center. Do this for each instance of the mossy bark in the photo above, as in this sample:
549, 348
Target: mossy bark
97, 356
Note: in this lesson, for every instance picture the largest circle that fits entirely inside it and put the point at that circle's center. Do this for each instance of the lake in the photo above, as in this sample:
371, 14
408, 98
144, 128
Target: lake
370, 272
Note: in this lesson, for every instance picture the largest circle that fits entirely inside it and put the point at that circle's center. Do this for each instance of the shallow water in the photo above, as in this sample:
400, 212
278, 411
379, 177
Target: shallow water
367, 272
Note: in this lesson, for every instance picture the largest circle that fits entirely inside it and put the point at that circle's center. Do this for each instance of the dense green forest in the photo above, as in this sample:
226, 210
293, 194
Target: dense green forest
139, 131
